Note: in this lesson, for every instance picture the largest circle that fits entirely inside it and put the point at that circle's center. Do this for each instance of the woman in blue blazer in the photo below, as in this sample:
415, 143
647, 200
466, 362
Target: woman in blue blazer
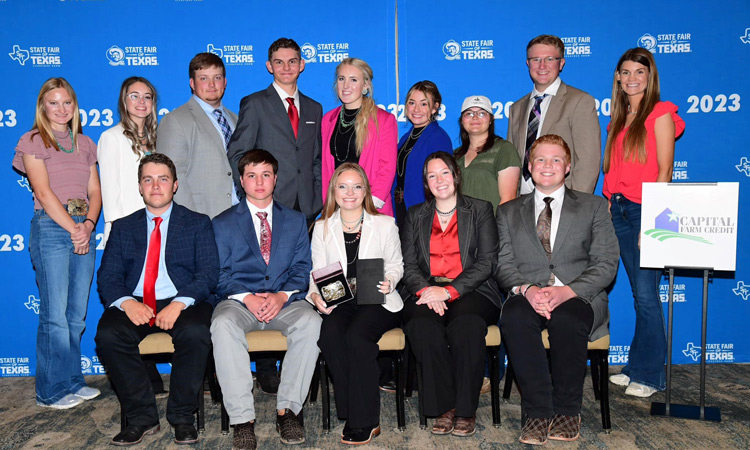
425, 137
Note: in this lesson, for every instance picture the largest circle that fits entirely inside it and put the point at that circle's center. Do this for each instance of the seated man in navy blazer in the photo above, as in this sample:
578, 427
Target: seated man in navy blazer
158, 269
558, 254
265, 263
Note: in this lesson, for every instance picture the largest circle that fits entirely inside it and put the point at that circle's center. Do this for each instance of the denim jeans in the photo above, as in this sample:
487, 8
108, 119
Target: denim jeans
64, 281
649, 347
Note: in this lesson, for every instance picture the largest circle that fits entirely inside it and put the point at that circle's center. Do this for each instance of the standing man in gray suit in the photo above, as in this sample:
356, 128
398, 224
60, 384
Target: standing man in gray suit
286, 123
558, 254
553, 107
195, 136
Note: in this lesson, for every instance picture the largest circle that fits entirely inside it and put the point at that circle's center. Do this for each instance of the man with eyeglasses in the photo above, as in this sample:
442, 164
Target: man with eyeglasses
195, 136
553, 107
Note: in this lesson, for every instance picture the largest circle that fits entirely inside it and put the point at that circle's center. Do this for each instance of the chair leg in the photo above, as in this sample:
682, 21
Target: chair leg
509, 376
201, 412
494, 384
410, 363
422, 418
603, 356
398, 369
324, 395
213, 385
314, 386
594, 358
224, 420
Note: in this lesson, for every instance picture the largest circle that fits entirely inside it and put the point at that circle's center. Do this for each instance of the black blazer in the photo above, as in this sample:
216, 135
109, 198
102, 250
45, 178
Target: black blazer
477, 242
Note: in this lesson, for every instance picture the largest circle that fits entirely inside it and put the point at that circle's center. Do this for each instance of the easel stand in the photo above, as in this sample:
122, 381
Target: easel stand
667, 409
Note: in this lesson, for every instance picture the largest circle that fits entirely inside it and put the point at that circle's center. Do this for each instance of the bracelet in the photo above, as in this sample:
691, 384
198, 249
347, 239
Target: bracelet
92, 222
448, 292
529, 287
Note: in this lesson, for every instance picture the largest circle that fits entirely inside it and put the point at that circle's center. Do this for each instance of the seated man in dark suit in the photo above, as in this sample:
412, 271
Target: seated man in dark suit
558, 254
158, 268
265, 263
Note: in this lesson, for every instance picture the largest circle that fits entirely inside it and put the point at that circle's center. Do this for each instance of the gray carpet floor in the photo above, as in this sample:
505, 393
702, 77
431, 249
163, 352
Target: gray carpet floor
93, 424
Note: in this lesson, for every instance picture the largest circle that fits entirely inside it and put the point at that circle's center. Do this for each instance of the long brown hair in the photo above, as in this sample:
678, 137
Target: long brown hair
331, 206
129, 128
369, 110
41, 122
634, 144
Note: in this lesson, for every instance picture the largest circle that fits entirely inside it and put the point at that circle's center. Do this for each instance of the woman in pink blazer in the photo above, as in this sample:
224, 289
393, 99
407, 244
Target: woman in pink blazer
359, 132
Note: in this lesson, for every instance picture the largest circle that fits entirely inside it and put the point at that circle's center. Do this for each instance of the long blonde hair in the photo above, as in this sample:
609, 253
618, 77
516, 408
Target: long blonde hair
634, 144
369, 110
129, 128
331, 206
41, 122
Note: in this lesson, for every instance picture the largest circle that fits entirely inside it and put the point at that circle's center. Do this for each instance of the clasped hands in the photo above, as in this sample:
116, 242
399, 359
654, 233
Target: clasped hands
141, 314
435, 297
544, 300
81, 236
265, 306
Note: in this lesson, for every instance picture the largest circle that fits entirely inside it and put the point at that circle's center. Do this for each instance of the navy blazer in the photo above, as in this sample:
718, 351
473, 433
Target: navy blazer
241, 266
191, 257
433, 139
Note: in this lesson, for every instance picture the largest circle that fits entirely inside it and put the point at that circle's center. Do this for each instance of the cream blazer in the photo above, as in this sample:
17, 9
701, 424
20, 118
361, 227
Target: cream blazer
379, 239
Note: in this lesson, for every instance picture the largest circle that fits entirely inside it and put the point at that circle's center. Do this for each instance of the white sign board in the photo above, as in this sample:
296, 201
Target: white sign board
689, 225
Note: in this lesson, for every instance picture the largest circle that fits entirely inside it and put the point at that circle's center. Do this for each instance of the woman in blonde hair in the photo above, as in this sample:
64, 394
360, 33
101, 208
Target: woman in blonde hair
639, 149
60, 164
359, 132
121, 147
350, 228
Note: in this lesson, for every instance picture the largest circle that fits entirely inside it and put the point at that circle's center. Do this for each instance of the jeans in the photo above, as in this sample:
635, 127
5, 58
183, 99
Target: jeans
64, 281
649, 347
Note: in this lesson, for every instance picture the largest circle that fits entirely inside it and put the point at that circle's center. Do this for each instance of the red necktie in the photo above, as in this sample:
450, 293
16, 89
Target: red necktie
152, 269
265, 236
293, 115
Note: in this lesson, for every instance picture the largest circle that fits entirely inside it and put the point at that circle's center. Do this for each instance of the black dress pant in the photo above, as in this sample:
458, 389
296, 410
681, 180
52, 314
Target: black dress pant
451, 351
548, 389
349, 342
117, 340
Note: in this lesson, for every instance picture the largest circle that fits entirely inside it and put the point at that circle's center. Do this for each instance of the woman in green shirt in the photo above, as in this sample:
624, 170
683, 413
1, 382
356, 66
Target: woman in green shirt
489, 164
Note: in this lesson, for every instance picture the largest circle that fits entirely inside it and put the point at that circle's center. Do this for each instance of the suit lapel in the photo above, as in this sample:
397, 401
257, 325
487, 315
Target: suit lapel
305, 116
367, 235
465, 229
425, 228
335, 237
176, 225
567, 214
277, 230
207, 127
247, 230
139, 233
278, 109
528, 218
555, 106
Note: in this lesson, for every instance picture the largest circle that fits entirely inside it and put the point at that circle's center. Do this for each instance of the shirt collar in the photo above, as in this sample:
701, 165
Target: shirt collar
557, 195
283, 95
164, 216
254, 209
208, 108
551, 89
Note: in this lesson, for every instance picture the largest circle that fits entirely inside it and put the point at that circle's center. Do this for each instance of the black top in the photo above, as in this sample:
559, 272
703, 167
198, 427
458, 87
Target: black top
403, 156
344, 139
351, 242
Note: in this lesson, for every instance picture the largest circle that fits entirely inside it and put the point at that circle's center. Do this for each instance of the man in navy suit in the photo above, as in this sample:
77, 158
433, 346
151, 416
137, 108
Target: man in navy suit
265, 263
173, 247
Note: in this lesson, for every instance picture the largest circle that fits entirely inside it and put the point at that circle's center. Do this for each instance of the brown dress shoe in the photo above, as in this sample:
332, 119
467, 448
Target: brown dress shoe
565, 428
444, 423
244, 437
465, 426
535, 431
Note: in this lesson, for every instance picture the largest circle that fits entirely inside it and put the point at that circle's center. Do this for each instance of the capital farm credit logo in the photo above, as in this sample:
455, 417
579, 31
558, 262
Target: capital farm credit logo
666, 43
132, 56
233, 54
671, 225
328, 52
38, 55
469, 49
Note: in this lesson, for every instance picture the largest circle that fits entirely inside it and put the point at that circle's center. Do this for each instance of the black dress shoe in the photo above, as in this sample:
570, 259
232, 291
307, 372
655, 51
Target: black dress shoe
359, 436
184, 433
388, 386
133, 434
268, 383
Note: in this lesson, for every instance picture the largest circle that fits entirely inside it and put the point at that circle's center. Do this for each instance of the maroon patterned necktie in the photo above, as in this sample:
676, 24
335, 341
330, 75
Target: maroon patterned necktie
265, 236
543, 231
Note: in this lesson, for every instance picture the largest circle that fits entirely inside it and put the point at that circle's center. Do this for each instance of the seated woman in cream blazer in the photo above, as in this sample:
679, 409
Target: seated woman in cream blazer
350, 228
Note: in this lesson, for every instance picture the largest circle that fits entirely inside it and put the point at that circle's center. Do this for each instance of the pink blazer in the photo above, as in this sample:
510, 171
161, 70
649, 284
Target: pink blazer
378, 157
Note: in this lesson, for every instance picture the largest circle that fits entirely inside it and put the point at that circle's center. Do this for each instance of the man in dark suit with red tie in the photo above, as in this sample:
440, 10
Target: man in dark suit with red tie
158, 269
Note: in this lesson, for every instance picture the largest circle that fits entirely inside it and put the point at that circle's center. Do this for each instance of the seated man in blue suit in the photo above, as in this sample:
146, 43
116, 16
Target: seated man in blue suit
265, 263
158, 268
558, 254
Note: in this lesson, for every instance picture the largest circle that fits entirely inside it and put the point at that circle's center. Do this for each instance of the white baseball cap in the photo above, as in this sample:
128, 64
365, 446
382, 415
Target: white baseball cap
479, 101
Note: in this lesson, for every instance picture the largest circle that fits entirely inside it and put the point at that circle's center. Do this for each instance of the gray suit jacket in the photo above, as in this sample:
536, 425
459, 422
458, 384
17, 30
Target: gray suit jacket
264, 123
190, 139
571, 115
585, 257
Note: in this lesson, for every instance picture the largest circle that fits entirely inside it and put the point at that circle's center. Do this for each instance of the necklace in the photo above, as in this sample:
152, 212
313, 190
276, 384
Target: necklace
72, 145
141, 136
342, 118
356, 223
348, 143
404, 154
356, 252
447, 213
631, 112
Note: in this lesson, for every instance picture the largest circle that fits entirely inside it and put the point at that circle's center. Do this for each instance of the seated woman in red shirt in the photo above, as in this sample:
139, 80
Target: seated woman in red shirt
449, 245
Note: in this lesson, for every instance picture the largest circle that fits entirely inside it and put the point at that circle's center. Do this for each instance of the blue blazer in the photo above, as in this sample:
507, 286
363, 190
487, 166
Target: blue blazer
433, 139
190, 254
241, 266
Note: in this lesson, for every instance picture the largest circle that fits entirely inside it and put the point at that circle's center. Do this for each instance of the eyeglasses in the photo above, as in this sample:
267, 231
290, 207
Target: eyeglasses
548, 60
480, 114
135, 98
347, 187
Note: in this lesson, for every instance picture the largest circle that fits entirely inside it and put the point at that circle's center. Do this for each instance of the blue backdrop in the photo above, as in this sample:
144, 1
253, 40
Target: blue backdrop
702, 52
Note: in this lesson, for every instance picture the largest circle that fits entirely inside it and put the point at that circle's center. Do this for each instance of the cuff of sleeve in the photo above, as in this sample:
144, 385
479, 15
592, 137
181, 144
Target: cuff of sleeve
188, 301
289, 295
239, 297
419, 292
118, 303
378, 203
454, 293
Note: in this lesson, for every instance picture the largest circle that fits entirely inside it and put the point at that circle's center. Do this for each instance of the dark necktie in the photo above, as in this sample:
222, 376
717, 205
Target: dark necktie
224, 125
152, 268
293, 115
265, 236
535, 116
543, 230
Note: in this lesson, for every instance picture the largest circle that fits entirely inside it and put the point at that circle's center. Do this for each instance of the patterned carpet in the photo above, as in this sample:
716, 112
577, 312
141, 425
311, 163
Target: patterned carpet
93, 424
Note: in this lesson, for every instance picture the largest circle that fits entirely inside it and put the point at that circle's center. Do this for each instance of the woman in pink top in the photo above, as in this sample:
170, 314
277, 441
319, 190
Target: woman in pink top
60, 164
640, 148
360, 132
